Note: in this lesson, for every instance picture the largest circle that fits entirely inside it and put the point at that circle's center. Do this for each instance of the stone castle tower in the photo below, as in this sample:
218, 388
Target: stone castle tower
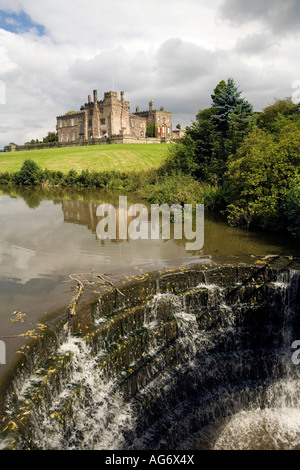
111, 116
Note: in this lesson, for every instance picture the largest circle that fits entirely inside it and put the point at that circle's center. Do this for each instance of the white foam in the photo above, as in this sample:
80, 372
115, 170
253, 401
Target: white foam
268, 429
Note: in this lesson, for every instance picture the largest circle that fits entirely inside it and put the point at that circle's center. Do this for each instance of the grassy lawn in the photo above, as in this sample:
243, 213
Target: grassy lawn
93, 157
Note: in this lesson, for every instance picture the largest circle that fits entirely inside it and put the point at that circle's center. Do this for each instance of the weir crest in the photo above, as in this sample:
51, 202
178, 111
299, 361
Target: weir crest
168, 365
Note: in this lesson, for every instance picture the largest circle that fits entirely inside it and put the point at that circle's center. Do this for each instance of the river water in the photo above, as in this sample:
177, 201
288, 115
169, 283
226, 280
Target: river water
47, 234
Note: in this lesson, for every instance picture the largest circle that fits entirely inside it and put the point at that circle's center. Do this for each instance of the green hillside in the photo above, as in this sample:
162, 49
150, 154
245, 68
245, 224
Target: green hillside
93, 157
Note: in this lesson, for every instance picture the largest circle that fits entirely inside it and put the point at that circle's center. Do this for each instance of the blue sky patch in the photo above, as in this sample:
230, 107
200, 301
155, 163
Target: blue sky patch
19, 23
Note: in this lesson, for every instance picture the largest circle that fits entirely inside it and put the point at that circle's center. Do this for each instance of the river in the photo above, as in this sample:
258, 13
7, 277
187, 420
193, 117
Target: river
47, 234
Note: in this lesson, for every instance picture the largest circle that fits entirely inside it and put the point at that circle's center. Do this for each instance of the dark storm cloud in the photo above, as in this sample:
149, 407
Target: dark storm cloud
183, 61
178, 75
280, 17
254, 44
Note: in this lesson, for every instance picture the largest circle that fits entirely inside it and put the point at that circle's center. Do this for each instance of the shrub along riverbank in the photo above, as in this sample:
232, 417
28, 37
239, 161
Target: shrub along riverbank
156, 185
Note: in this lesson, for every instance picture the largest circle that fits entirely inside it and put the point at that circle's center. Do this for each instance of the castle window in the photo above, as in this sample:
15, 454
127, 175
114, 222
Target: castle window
90, 123
68, 137
141, 124
101, 110
141, 133
72, 122
60, 123
102, 122
168, 130
132, 122
62, 138
73, 136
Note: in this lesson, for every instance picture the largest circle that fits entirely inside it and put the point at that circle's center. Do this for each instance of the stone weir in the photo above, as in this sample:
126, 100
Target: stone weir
161, 363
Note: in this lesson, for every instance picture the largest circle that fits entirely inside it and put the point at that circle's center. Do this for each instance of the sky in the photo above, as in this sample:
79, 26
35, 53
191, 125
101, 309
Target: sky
53, 54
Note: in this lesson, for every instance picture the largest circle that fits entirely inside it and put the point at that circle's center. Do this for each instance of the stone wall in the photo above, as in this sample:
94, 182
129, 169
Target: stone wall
118, 139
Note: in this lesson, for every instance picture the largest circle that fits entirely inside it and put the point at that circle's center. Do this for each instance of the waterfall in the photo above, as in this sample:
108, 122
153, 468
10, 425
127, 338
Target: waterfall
275, 423
182, 368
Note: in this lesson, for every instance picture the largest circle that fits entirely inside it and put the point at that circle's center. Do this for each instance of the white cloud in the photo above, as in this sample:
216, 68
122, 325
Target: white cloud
172, 52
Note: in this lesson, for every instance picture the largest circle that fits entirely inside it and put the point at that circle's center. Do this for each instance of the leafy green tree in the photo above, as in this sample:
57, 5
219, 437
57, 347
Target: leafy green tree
29, 174
182, 157
277, 115
204, 136
51, 137
150, 131
259, 176
32, 142
218, 90
292, 206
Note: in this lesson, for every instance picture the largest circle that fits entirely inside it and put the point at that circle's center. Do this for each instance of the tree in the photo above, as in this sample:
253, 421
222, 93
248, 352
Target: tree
217, 132
150, 131
230, 108
277, 115
218, 90
259, 177
182, 157
292, 206
29, 174
51, 137
203, 134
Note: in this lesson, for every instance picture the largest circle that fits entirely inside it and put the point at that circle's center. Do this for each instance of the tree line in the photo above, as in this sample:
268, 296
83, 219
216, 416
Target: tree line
251, 158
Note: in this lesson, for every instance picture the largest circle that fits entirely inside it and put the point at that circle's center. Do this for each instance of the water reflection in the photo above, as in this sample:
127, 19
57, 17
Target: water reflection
47, 231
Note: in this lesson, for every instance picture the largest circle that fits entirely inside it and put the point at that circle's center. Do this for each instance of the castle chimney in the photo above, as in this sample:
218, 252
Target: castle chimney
122, 96
89, 99
95, 96
151, 105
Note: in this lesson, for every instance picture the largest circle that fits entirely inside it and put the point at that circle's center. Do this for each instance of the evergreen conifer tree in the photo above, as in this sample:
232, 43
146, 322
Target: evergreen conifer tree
230, 107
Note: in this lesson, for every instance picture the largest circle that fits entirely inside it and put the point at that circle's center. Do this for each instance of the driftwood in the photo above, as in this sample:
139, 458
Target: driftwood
75, 299
106, 280
82, 282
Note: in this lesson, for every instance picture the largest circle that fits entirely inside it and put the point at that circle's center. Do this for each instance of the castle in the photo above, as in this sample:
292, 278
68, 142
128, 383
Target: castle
112, 117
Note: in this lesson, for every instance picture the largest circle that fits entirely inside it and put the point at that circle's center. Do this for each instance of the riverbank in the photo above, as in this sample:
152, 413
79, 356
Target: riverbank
155, 184
156, 180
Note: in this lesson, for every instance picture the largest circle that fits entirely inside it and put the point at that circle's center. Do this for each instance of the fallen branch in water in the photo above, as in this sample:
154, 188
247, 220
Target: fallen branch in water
75, 299
82, 282
108, 281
